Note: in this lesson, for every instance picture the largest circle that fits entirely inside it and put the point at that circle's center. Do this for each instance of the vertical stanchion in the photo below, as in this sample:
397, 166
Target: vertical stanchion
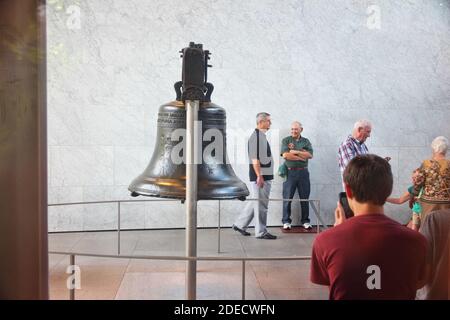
317, 213
218, 232
300, 206
243, 279
318, 206
118, 228
317, 221
191, 197
72, 287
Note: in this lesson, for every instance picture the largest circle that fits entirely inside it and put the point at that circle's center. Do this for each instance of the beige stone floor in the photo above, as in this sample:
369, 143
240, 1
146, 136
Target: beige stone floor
118, 278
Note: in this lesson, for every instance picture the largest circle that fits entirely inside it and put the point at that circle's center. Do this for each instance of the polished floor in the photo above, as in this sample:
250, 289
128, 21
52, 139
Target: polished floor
119, 278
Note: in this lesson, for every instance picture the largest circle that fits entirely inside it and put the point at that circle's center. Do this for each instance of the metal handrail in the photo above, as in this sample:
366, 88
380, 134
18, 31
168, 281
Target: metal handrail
172, 258
119, 202
205, 258
111, 201
183, 258
168, 200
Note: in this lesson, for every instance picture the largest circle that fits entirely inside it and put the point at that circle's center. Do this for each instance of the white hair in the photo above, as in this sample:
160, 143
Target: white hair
440, 145
297, 122
362, 124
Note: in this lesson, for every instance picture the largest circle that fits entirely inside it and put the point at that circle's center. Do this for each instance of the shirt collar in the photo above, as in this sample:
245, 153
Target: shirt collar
260, 131
356, 140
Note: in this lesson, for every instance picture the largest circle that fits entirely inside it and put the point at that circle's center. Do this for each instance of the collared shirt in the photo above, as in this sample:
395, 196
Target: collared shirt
349, 149
299, 144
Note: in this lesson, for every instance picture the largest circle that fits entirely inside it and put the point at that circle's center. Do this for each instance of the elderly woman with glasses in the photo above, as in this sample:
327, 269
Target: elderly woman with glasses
433, 180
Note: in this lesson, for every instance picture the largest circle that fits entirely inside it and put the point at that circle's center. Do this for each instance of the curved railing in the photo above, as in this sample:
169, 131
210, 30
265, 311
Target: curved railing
169, 258
182, 258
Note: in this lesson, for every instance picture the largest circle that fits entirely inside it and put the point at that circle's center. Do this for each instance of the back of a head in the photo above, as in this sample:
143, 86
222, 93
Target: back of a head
370, 179
440, 145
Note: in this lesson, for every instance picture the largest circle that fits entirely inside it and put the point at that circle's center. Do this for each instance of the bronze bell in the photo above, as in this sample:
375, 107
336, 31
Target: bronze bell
165, 176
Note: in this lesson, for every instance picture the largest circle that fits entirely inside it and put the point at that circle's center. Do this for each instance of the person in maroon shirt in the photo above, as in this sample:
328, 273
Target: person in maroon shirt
369, 256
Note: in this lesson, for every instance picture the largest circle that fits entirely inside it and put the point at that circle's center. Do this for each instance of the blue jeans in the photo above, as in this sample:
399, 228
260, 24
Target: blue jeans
297, 180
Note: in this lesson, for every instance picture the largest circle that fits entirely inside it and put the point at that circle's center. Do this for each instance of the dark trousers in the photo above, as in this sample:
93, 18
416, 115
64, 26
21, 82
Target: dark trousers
297, 180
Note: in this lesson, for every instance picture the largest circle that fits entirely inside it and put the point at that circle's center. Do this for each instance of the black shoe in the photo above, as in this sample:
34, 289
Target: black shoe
267, 236
243, 232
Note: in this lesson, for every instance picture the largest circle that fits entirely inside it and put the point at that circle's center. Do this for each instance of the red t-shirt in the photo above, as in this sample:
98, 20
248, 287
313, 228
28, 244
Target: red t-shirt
369, 251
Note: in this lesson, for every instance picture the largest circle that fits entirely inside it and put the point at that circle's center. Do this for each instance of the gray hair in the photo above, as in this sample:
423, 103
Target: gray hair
440, 145
261, 117
297, 122
362, 124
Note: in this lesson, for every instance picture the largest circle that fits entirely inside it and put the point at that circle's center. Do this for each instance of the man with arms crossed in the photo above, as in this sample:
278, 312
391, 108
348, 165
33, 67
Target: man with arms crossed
296, 150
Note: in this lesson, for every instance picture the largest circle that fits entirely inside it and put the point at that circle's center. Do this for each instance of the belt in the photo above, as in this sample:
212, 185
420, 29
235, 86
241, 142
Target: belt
298, 168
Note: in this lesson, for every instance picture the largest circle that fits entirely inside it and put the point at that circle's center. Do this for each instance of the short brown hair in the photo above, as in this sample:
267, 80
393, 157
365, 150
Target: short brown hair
370, 179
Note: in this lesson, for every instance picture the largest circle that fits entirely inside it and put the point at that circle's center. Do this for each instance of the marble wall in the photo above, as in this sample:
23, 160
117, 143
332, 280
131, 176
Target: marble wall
111, 64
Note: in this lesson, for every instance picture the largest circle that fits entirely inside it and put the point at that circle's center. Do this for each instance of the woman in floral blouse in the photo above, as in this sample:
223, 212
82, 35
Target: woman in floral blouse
434, 179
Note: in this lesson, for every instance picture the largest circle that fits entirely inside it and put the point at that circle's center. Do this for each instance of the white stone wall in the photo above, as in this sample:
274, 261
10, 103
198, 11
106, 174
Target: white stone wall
112, 63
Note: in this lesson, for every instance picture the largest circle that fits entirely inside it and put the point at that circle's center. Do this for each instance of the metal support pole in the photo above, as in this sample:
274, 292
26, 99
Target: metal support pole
243, 279
299, 206
317, 212
118, 228
72, 287
318, 225
192, 148
218, 232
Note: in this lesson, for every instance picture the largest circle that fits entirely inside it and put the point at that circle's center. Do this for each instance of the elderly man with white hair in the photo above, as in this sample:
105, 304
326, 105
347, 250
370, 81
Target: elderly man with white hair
434, 179
296, 150
354, 144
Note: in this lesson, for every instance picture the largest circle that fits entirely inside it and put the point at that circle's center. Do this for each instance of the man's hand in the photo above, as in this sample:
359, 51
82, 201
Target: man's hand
260, 181
339, 215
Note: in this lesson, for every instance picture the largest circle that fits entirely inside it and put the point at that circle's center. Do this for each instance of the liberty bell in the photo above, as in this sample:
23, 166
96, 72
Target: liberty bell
165, 176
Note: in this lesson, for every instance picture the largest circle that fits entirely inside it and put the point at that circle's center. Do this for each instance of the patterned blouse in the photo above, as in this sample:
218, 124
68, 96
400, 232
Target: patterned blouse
434, 177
